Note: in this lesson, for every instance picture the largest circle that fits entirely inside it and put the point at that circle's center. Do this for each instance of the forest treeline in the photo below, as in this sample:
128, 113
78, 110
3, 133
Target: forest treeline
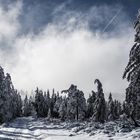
71, 105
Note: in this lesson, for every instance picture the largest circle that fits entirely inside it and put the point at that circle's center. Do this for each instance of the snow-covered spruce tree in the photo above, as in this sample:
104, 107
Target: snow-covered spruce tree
76, 104
9, 94
63, 109
57, 105
99, 114
16, 104
52, 103
125, 108
132, 74
27, 107
46, 103
114, 108
3, 107
10, 100
117, 109
39, 103
90, 104
111, 108
19, 104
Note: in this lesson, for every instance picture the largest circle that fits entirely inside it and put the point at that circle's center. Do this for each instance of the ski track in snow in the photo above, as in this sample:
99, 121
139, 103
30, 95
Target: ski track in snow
29, 128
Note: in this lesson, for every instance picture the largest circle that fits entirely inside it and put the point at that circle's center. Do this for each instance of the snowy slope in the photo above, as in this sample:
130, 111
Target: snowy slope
40, 129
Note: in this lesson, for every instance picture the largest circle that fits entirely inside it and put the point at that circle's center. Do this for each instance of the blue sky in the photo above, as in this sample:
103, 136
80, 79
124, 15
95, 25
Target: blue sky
54, 43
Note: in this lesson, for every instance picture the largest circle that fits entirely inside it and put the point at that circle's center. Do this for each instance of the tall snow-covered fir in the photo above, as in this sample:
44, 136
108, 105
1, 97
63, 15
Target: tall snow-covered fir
99, 105
10, 99
132, 73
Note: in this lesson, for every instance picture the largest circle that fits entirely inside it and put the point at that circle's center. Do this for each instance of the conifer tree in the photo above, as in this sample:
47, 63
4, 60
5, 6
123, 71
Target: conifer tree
99, 114
63, 109
52, 103
111, 108
76, 103
46, 102
10, 100
90, 104
117, 109
39, 103
26, 107
132, 74
57, 105
16, 105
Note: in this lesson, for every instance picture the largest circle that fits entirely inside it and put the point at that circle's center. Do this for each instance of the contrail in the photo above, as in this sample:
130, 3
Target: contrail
111, 20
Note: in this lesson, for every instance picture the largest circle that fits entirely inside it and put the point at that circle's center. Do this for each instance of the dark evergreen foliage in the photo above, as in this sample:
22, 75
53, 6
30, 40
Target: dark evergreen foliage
90, 104
76, 104
132, 74
10, 99
99, 114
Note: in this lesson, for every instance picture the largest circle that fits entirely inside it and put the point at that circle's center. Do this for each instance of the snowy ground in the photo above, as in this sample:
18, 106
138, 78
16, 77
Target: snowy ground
40, 129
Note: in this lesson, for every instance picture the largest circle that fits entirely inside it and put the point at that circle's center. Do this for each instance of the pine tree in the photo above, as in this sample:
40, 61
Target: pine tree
111, 108
52, 103
125, 108
46, 103
117, 109
99, 114
9, 92
10, 100
57, 105
39, 103
63, 109
90, 104
2, 97
132, 74
27, 107
16, 105
19, 105
76, 104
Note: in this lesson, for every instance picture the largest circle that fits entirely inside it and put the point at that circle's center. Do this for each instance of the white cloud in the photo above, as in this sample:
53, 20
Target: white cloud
9, 27
9, 20
68, 52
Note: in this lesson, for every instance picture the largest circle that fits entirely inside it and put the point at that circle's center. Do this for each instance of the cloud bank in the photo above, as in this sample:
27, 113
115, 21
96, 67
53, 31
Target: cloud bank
70, 49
